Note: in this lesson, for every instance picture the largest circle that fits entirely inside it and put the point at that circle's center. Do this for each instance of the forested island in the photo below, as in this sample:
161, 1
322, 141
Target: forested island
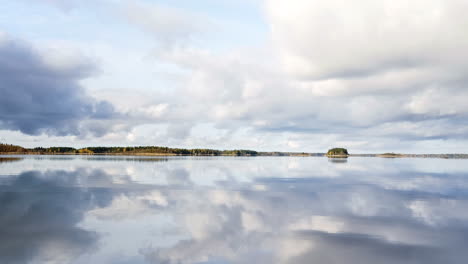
338, 153
8, 149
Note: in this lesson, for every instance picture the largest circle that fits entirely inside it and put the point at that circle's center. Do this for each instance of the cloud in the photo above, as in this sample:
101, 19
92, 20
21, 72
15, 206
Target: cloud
171, 27
63, 5
324, 39
41, 92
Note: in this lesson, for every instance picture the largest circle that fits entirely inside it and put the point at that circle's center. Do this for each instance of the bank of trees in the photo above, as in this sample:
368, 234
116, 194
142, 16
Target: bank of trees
63, 150
169, 151
5, 148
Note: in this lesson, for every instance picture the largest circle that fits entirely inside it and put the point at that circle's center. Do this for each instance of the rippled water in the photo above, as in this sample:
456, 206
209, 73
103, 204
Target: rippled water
258, 210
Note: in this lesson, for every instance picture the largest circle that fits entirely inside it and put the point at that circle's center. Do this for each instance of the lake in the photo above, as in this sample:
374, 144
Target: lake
220, 210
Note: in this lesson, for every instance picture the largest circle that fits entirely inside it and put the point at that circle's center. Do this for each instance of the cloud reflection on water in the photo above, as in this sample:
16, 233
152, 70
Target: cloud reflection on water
343, 225
342, 213
40, 213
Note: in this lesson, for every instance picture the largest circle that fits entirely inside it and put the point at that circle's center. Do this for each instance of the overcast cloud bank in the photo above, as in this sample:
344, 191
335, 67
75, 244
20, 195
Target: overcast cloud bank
371, 75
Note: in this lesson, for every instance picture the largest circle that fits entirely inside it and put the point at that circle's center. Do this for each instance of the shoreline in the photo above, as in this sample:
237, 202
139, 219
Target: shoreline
260, 154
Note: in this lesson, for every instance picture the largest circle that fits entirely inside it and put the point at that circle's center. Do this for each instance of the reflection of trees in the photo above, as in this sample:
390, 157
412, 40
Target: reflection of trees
338, 160
9, 159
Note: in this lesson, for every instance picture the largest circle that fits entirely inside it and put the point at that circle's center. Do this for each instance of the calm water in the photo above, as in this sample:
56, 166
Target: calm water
233, 210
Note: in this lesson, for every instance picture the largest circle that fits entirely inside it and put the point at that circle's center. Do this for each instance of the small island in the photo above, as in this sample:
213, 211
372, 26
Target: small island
337, 153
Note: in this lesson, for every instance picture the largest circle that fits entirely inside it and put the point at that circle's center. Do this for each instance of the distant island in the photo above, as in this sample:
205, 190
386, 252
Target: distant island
8, 149
337, 153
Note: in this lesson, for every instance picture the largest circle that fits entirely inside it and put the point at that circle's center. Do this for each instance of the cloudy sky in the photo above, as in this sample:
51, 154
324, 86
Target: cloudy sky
297, 75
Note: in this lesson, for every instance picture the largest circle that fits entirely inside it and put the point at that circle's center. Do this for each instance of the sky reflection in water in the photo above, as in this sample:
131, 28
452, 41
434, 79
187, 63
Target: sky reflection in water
233, 210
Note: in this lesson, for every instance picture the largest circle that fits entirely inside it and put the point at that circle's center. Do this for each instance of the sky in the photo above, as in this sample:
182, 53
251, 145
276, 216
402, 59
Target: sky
297, 75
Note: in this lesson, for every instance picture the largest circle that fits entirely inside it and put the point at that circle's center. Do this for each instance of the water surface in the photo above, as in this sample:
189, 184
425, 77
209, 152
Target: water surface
177, 210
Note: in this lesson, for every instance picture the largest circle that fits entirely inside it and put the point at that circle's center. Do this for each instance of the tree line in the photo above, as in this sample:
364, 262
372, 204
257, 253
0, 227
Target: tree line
6, 148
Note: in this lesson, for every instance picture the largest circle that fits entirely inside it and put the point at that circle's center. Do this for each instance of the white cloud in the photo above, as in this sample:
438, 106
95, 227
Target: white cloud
169, 26
321, 39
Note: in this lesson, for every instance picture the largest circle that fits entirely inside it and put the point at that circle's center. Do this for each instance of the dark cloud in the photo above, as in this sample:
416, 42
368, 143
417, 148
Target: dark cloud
38, 96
